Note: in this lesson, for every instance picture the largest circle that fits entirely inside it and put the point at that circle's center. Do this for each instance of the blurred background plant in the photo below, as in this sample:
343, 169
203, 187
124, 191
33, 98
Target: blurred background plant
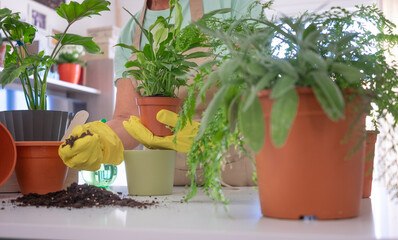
71, 54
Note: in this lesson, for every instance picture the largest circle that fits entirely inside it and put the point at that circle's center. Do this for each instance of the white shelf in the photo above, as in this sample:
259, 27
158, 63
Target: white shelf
54, 84
198, 219
59, 85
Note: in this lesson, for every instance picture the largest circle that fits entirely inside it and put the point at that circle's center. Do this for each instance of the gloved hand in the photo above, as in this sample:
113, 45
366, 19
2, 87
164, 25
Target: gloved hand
142, 134
91, 144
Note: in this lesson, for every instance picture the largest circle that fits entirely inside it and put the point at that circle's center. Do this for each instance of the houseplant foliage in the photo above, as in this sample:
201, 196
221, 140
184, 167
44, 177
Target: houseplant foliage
33, 69
160, 67
318, 51
71, 54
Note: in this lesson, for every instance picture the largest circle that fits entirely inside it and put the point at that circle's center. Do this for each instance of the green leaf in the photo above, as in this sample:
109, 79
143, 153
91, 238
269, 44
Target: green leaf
189, 64
251, 123
4, 12
214, 12
198, 55
12, 71
75, 11
256, 69
233, 111
314, 59
310, 29
211, 80
228, 68
130, 64
178, 17
148, 53
212, 109
328, 95
131, 47
287, 68
264, 81
144, 31
168, 66
349, 73
284, 110
282, 86
72, 39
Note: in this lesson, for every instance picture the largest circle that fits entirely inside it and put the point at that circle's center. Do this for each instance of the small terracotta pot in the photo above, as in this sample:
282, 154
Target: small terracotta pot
39, 168
150, 106
8, 154
311, 175
371, 138
69, 72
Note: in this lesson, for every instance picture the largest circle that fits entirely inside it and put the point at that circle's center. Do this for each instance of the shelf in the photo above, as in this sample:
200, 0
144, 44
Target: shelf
54, 84
59, 85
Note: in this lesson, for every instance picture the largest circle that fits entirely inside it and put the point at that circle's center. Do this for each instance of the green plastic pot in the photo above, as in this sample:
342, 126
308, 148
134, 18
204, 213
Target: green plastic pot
150, 172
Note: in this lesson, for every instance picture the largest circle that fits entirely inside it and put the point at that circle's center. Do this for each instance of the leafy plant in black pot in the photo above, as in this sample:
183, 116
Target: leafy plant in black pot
33, 68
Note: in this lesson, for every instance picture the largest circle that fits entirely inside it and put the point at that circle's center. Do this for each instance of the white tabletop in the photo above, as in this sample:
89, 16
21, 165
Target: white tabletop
198, 219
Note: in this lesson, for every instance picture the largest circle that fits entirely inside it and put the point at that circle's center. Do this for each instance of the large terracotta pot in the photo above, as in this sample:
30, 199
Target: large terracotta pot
8, 153
313, 173
69, 72
39, 168
150, 106
371, 138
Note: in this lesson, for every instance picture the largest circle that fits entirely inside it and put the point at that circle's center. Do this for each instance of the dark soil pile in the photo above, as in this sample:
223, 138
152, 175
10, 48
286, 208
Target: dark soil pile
80, 196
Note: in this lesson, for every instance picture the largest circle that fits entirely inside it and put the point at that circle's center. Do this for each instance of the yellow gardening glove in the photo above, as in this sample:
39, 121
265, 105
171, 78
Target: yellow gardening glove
91, 144
142, 134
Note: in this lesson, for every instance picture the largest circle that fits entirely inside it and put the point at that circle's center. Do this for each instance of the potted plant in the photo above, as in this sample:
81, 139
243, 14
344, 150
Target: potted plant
37, 130
161, 67
69, 63
282, 81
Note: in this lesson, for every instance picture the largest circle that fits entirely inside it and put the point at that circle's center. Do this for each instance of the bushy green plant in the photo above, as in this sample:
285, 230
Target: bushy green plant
33, 69
71, 55
161, 66
283, 54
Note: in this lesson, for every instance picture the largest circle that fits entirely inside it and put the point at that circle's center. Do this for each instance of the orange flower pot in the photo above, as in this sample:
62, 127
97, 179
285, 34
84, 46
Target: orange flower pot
69, 72
8, 154
39, 168
311, 174
371, 138
148, 108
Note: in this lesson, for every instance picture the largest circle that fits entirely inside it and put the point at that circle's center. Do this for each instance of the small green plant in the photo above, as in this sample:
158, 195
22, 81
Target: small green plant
161, 67
33, 69
71, 54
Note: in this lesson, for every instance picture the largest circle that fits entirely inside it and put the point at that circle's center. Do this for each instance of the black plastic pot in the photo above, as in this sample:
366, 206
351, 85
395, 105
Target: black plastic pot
36, 125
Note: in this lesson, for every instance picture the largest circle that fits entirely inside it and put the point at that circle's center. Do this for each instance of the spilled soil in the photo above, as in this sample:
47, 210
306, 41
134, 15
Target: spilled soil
80, 196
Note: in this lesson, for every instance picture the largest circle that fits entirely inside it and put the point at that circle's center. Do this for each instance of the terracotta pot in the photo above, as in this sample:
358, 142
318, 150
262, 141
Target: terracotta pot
371, 137
148, 108
311, 174
39, 168
69, 72
8, 154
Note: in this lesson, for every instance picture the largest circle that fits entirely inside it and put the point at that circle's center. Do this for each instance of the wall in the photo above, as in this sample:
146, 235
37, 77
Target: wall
118, 17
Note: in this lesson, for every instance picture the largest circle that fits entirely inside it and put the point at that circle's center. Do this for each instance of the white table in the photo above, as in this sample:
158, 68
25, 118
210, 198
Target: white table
198, 219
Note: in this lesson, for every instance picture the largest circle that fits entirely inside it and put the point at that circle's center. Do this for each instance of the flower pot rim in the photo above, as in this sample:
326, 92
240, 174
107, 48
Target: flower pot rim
37, 143
4, 132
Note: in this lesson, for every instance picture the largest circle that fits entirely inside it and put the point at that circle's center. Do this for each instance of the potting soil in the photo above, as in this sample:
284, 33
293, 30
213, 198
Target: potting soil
80, 196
